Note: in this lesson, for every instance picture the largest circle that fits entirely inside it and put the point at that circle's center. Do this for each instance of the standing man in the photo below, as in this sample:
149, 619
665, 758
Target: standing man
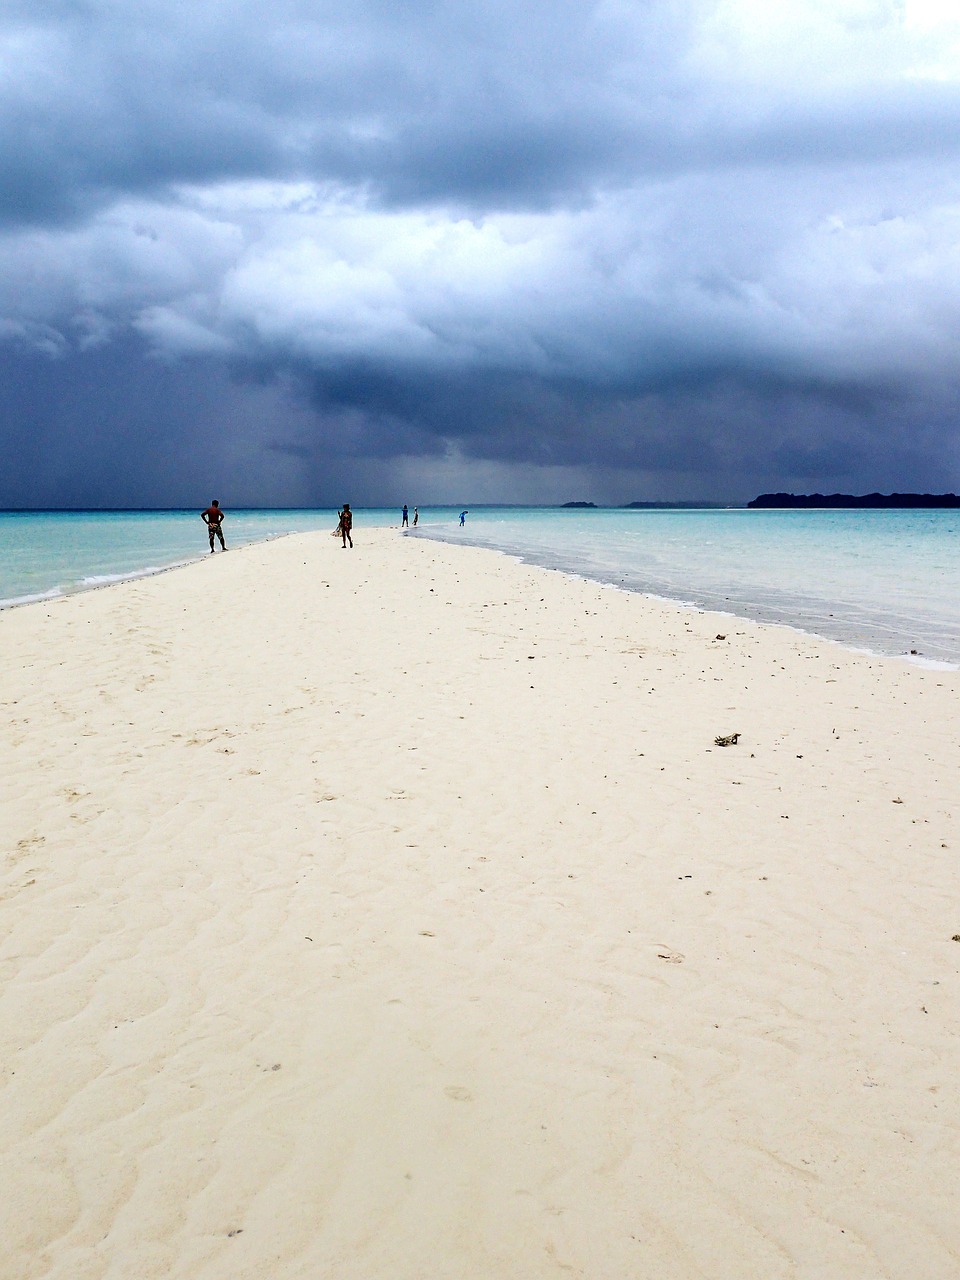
416, 516
213, 519
346, 524
404, 523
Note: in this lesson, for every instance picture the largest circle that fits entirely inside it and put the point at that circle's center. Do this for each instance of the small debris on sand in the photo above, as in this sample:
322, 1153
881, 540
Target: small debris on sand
726, 740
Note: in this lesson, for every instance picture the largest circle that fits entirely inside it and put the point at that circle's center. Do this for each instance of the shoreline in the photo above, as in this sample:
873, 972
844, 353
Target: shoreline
395, 913
119, 553
858, 630
119, 580
61, 593
852, 645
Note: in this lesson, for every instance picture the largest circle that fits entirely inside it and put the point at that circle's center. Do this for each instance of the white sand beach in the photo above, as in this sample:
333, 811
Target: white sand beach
393, 914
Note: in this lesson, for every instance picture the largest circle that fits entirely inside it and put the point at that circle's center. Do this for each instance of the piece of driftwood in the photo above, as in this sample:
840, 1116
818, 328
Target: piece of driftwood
726, 740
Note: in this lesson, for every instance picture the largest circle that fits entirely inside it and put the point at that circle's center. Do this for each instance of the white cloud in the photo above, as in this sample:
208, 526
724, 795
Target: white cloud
667, 276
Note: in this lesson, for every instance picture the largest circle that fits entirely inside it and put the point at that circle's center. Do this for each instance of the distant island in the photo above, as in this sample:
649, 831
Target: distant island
848, 500
579, 504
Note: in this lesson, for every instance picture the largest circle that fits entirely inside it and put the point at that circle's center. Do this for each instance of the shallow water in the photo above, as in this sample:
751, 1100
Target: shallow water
887, 581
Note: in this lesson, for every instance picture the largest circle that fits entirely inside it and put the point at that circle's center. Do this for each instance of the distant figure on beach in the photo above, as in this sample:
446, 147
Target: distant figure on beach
463, 518
404, 523
213, 519
346, 524
416, 516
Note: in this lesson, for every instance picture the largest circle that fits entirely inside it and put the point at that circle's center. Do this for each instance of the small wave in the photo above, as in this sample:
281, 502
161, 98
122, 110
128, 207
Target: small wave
12, 601
103, 579
108, 579
930, 664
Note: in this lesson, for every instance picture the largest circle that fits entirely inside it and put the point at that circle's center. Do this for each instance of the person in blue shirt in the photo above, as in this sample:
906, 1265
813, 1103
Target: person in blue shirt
463, 517
404, 523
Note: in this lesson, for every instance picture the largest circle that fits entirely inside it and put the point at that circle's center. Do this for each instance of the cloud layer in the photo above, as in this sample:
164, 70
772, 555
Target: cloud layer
682, 249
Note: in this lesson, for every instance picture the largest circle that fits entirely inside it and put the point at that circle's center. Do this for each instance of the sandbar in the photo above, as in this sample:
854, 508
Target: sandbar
394, 914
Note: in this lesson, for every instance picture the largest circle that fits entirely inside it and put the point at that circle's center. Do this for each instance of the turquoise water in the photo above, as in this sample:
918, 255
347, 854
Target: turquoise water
887, 581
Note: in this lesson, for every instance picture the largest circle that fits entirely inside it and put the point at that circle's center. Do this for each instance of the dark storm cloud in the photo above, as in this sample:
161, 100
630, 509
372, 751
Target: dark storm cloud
723, 427
459, 103
451, 102
696, 243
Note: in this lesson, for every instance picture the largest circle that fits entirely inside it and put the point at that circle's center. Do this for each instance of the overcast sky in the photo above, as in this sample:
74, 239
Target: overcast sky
304, 252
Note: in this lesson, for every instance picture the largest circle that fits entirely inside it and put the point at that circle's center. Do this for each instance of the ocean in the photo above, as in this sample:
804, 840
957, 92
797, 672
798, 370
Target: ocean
885, 581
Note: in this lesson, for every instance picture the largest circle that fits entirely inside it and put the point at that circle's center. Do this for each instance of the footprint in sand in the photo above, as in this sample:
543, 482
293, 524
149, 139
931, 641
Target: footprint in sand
25, 847
457, 1093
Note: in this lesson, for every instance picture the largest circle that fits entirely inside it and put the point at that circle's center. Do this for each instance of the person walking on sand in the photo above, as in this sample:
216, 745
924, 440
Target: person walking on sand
346, 524
404, 523
463, 518
416, 516
213, 519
